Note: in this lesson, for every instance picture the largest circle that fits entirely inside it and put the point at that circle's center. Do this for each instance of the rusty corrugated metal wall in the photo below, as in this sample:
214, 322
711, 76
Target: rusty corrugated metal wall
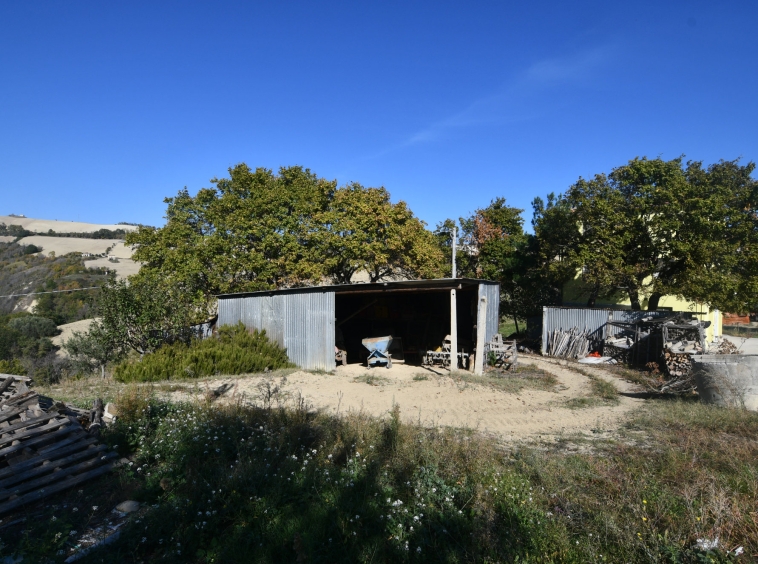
303, 323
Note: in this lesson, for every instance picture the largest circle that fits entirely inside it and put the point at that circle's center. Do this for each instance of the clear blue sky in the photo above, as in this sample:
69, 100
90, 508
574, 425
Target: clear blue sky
108, 107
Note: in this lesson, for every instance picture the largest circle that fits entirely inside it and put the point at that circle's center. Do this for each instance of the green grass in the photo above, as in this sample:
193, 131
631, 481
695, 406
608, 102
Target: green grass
508, 327
419, 377
234, 351
371, 378
511, 381
238, 484
601, 392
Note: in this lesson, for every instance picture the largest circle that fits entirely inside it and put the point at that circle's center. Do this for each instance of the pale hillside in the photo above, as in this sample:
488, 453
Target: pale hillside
44, 225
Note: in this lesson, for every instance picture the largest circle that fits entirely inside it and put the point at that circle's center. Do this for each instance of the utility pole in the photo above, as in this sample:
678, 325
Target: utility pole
453, 316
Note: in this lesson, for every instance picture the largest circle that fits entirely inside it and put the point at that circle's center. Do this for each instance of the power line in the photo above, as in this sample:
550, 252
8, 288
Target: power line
51, 292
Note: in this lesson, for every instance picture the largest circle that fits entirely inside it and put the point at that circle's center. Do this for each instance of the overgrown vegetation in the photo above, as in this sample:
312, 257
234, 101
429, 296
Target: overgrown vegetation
26, 348
235, 484
234, 351
22, 273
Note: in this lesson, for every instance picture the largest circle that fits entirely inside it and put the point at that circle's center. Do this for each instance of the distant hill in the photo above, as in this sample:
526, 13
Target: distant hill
22, 272
42, 226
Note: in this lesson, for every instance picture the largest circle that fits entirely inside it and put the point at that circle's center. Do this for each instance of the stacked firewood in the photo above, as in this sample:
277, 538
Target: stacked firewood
568, 344
677, 364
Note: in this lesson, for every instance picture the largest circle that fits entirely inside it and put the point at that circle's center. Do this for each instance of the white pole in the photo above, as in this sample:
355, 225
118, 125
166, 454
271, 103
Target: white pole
453, 331
453, 318
481, 331
454, 242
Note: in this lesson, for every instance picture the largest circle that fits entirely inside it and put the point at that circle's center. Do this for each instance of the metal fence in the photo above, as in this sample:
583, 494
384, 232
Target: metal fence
303, 323
592, 320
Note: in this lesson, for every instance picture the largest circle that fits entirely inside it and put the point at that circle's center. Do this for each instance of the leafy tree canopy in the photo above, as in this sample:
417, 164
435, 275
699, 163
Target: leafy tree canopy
259, 230
654, 228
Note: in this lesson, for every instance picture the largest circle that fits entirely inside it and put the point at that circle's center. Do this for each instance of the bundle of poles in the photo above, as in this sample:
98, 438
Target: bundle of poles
568, 344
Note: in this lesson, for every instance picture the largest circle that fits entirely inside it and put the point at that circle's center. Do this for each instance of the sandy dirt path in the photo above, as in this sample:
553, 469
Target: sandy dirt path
442, 399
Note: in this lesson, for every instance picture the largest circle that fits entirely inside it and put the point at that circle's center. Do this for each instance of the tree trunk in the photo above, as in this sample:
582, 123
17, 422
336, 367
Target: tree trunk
102, 371
634, 297
652, 303
516, 322
593, 296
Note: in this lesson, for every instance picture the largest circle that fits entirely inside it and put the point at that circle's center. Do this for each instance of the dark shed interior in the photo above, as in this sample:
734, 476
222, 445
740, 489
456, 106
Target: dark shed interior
418, 320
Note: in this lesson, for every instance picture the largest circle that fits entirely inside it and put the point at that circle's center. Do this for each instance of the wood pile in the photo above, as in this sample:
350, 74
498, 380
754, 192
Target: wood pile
568, 344
726, 347
677, 364
43, 452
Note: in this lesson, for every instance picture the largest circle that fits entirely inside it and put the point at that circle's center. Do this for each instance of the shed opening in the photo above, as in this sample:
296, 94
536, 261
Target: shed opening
417, 319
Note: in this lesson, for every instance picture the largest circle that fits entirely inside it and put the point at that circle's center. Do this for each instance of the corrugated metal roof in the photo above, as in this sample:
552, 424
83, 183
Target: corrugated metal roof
431, 284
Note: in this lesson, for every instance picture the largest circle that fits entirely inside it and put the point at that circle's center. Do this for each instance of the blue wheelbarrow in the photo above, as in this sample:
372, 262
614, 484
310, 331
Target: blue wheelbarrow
377, 348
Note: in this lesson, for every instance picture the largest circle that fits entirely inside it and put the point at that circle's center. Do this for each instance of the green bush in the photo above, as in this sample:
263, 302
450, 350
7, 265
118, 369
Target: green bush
13, 366
234, 351
34, 327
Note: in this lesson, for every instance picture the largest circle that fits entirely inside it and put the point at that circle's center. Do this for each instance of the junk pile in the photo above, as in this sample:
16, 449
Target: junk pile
442, 356
45, 447
569, 344
666, 345
500, 353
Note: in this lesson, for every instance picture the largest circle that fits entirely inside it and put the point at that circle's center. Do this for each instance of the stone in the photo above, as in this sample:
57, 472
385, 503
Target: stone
127, 506
111, 410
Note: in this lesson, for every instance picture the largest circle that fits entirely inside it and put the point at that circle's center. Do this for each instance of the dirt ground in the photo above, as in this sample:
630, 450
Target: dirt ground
124, 267
436, 398
67, 331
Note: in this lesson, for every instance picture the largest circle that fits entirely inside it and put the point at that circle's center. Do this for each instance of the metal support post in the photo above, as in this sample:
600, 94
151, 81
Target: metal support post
453, 331
481, 332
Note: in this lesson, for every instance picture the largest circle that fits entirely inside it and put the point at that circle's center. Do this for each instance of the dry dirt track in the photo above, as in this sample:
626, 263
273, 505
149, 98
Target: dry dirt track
443, 400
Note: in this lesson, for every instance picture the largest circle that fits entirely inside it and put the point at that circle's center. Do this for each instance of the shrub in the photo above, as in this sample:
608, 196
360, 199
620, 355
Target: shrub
234, 351
34, 327
12, 366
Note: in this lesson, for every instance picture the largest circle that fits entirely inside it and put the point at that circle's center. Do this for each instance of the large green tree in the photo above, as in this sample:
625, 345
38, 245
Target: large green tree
364, 231
258, 230
653, 227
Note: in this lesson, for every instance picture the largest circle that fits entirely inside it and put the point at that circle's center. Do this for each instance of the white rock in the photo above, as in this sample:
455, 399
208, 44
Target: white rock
127, 506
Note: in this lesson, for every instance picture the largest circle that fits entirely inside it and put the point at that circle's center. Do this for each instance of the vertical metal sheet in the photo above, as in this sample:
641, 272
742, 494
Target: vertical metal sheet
492, 293
591, 319
302, 322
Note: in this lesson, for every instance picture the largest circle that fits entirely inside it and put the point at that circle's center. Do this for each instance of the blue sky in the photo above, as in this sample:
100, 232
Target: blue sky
108, 107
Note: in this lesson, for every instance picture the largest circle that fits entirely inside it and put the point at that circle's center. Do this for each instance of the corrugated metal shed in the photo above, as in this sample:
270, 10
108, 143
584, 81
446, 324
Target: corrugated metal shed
303, 323
303, 319
591, 319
